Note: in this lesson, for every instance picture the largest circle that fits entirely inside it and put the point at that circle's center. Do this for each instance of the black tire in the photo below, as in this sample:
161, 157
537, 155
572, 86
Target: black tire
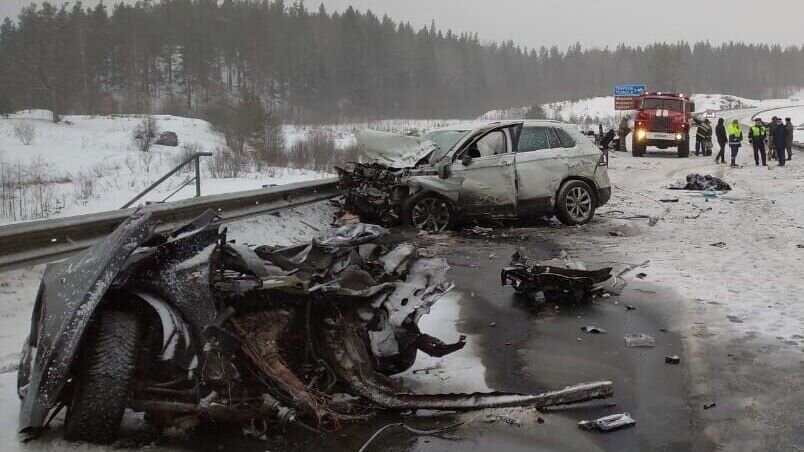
684, 148
103, 379
430, 212
637, 150
575, 203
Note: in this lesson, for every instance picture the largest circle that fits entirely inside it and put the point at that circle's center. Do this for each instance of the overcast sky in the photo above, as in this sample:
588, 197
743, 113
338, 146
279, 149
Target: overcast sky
534, 23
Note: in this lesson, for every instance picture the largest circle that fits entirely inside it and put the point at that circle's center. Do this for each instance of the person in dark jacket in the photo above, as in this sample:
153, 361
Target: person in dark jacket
772, 133
703, 137
780, 141
722, 139
757, 134
790, 129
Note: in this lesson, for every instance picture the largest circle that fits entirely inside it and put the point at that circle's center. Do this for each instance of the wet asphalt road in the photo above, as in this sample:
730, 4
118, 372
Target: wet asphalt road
532, 349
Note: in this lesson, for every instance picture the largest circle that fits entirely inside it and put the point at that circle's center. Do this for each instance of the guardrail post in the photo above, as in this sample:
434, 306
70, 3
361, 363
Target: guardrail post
197, 176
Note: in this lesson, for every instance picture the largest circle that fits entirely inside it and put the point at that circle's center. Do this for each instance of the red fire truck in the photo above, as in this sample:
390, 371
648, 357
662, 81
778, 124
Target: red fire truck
662, 120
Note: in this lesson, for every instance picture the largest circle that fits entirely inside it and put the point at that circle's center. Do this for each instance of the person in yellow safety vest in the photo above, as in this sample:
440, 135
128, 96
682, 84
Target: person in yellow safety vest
758, 135
735, 140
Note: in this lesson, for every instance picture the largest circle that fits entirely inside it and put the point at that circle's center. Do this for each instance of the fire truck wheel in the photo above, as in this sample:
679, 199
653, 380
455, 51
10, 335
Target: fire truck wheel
638, 150
684, 149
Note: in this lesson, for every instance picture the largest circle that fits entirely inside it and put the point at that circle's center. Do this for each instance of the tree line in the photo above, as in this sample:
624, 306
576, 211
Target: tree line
201, 57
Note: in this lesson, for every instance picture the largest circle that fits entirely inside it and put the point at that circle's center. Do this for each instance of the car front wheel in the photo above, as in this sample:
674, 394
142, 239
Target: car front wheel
104, 378
430, 213
575, 203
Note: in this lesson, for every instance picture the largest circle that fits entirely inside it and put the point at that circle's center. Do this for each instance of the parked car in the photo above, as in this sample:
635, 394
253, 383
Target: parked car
502, 170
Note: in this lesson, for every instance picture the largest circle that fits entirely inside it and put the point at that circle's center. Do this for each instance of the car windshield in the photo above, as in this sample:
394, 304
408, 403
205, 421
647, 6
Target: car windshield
444, 140
662, 104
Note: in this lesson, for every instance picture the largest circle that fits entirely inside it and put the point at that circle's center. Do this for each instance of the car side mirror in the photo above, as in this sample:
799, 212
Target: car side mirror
466, 160
445, 171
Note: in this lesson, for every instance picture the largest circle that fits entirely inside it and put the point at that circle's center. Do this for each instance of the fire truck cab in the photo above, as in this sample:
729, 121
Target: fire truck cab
662, 120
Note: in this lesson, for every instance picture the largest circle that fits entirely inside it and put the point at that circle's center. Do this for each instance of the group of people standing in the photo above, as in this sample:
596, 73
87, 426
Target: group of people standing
778, 136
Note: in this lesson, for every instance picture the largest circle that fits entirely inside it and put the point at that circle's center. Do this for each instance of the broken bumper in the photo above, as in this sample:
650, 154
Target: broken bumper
603, 195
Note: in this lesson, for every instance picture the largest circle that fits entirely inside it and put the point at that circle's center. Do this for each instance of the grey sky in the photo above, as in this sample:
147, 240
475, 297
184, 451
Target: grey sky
534, 23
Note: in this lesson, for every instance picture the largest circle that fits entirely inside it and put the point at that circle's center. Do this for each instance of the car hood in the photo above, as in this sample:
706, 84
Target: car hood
395, 150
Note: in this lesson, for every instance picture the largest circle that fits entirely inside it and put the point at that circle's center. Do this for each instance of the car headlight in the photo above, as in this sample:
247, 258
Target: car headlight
641, 134
679, 137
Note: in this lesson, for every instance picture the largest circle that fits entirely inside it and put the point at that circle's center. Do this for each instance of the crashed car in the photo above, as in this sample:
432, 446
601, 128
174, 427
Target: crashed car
190, 325
502, 170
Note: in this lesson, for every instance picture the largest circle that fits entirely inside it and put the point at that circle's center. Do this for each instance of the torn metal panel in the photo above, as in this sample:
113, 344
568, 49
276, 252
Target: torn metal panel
554, 282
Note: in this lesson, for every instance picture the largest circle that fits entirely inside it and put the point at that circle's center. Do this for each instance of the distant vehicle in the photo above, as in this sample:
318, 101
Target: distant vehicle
508, 169
663, 120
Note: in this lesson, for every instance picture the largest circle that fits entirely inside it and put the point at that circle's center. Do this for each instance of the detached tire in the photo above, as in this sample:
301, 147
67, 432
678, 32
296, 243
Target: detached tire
104, 377
575, 203
430, 212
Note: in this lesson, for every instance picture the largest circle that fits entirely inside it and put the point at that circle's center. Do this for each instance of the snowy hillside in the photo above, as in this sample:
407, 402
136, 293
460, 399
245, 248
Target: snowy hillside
89, 163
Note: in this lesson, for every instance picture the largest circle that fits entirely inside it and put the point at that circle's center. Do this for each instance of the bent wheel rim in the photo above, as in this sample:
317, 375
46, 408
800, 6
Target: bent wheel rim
579, 204
431, 214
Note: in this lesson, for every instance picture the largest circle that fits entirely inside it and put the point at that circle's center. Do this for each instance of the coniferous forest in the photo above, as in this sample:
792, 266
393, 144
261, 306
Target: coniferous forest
193, 56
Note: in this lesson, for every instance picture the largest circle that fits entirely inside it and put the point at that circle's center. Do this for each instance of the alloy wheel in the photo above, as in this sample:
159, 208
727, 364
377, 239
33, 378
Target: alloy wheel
431, 214
579, 204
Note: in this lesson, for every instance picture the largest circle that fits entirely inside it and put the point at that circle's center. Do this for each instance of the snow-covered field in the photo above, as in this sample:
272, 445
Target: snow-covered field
89, 163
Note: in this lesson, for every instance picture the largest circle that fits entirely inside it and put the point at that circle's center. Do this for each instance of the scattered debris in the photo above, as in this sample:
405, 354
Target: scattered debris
492, 417
640, 340
593, 330
555, 283
669, 200
629, 307
616, 234
672, 359
718, 244
642, 275
699, 182
710, 405
609, 423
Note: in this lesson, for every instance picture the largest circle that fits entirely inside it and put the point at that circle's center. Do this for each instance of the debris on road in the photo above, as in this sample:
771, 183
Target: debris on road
710, 405
593, 330
251, 336
718, 244
555, 283
640, 340
702, 182
609, 423
642, 275
672, 359
629, 307
669, 200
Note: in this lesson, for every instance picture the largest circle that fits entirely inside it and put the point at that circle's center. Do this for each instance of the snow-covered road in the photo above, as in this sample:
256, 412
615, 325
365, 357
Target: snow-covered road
741, 318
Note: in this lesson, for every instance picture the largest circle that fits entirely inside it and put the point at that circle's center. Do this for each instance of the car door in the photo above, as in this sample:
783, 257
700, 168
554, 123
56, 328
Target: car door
541, 165
486, 164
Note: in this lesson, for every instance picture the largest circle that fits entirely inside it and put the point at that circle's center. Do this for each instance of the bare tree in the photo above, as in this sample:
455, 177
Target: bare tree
26, 132
145, 134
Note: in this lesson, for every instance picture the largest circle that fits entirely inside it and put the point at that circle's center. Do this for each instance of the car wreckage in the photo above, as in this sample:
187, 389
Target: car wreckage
188, 324
502, 170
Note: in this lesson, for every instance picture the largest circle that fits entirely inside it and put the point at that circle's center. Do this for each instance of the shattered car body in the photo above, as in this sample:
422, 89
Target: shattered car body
555, 283
189, 324
502, 170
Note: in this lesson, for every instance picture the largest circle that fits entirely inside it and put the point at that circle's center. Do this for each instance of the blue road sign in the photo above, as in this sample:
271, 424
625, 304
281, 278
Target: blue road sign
629, 90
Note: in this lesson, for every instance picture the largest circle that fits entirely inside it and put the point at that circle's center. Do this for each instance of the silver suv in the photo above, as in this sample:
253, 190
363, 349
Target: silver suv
509, 169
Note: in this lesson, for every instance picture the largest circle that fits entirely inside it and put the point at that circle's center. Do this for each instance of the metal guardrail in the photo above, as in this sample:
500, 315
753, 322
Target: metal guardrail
196, 159
24, 244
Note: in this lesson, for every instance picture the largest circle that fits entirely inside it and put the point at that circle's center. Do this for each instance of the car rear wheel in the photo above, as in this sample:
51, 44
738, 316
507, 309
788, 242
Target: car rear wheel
103, 379
430, 213
575, 203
